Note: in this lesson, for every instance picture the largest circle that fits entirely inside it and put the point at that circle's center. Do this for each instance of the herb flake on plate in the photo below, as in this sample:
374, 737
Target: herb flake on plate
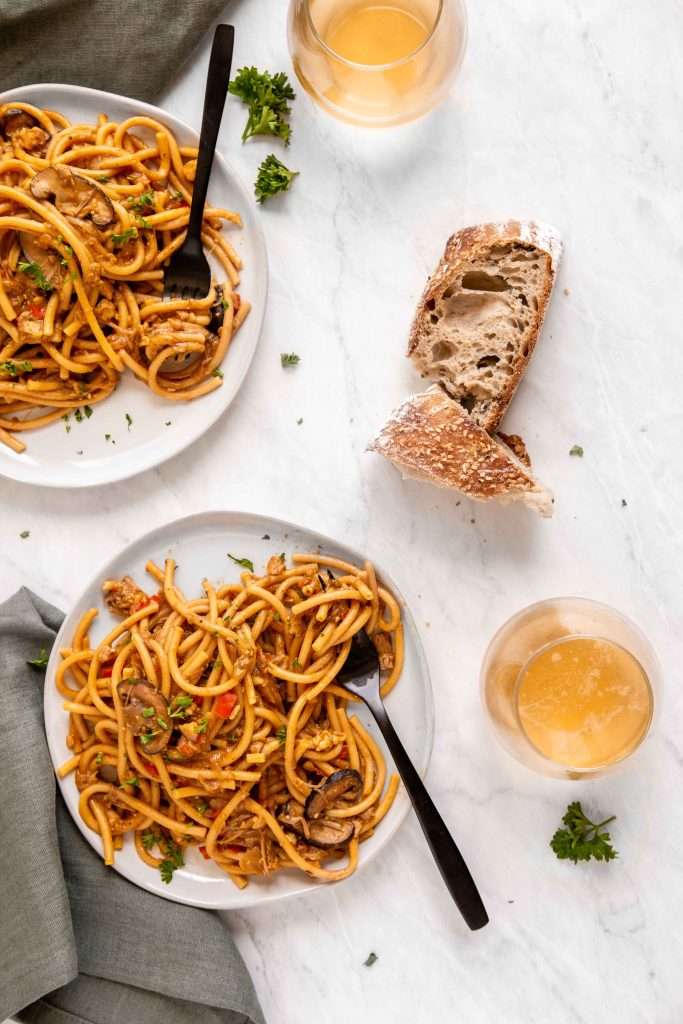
246, 563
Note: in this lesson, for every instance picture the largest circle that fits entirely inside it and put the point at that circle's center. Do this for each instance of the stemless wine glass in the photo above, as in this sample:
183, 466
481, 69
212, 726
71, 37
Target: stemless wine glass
377, 63
567, 709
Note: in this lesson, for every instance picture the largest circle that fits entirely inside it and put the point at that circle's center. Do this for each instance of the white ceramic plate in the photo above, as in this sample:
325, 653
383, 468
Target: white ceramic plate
200, 544
51, 458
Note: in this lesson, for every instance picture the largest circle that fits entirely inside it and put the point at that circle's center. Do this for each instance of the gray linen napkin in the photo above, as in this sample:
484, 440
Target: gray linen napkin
78, 943
134, 47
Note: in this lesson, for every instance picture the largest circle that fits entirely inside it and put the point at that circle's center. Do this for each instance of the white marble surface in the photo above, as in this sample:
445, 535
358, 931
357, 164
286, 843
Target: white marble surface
567, 112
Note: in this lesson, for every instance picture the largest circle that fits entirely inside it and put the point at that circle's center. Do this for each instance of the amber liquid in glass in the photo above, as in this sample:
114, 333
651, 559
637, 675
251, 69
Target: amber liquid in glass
373, 62
584, 702
375, 33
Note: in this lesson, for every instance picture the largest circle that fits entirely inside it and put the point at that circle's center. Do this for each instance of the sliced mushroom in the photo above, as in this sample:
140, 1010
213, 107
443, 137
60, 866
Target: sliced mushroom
14, 120
217, 311
73, 195
138, 697
345, 782
47, 259
108, 773
324, 832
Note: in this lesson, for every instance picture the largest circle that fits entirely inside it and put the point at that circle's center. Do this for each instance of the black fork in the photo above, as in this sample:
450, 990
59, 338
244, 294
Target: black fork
189, 274
360, 675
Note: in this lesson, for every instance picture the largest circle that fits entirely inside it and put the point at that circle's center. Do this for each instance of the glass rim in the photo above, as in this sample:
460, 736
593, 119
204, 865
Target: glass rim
590, 769
358, 65
573, 599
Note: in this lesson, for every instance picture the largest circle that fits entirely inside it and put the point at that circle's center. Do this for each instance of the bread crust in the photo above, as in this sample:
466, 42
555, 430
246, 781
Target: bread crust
430, 436
472, 243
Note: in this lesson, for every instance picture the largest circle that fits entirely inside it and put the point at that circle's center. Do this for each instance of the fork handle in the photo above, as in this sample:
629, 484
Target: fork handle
217, 81
449, 860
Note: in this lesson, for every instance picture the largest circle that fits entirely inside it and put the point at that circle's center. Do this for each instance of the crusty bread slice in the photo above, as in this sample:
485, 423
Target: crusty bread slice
431, 437
479, 318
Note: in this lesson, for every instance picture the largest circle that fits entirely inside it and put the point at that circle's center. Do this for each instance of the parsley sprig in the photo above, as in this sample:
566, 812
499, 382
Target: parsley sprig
582, 838
34, 271
173, 859
267, 97
42, 659
272, 177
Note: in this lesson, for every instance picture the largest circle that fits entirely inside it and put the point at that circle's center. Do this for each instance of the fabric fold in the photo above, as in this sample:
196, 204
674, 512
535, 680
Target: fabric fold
133, 49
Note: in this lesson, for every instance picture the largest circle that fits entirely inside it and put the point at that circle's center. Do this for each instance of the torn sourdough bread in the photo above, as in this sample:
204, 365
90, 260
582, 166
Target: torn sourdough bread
474, 332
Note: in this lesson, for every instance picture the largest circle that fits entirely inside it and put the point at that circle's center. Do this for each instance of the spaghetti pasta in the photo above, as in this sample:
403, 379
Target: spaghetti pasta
216, 721
90, 215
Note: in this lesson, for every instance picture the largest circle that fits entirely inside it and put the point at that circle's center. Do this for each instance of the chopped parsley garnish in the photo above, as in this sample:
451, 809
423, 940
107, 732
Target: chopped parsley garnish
104, 178
202, 806
124, 236
203, 725
67, 425
225, 304
582, 838
299, 421
149, 839
99, 758
282, 735
129, 420
107, 437
173, 860
25, 534
296, 663
41, 660
15, 368
180, 705
246, 563
267, 97
272, 177
161, 723
132, 781
34, 271
576, 450
168, 423
68, 252
142, 203
147, 737
372, 959
623, 502
217, 372
147, 712
289, 359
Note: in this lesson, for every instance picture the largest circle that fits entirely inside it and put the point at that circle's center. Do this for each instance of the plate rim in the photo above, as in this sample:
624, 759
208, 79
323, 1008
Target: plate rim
152, 459
259, 521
